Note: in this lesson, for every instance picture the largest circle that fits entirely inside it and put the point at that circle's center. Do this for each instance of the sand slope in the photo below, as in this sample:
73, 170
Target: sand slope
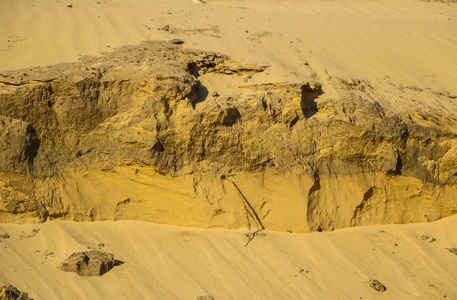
165, 262
412, 42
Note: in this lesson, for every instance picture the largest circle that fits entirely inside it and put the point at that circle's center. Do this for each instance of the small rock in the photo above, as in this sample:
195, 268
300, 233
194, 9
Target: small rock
89, 263
164, 28
4, 236
427, 238
48, 253
206, 297
31, 235
177, 41
12, 293
452, 250
376, 285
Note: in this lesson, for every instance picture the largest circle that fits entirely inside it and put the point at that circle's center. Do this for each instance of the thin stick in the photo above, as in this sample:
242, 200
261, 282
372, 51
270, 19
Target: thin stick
250, 212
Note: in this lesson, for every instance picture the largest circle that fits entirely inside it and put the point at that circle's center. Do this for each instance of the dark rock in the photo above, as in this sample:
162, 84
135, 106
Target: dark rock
12, 293
89, 263
206, 297
4, 236
376, 285
177, 41
452, 250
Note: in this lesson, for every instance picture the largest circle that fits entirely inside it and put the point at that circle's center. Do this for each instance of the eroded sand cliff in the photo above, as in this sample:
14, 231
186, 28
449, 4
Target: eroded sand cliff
160, 133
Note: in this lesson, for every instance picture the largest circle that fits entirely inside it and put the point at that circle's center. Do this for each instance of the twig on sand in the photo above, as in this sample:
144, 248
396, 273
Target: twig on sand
250, 214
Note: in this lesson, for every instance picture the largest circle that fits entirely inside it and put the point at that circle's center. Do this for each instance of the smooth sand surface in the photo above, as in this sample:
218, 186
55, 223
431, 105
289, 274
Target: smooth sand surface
405, 48
166, 262
410, 42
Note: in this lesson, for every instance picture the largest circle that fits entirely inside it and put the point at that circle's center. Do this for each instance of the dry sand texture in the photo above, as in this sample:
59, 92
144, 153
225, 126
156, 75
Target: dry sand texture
412, 43
165, 262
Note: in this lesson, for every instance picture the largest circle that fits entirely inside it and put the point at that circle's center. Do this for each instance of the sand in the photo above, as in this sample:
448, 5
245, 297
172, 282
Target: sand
166, 262
411, 42
408, 44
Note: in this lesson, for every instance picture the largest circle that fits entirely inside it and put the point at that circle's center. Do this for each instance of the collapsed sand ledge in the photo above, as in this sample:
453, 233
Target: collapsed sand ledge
149, 133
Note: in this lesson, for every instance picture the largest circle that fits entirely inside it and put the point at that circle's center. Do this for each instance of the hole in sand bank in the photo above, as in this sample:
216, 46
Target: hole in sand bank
202, 94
